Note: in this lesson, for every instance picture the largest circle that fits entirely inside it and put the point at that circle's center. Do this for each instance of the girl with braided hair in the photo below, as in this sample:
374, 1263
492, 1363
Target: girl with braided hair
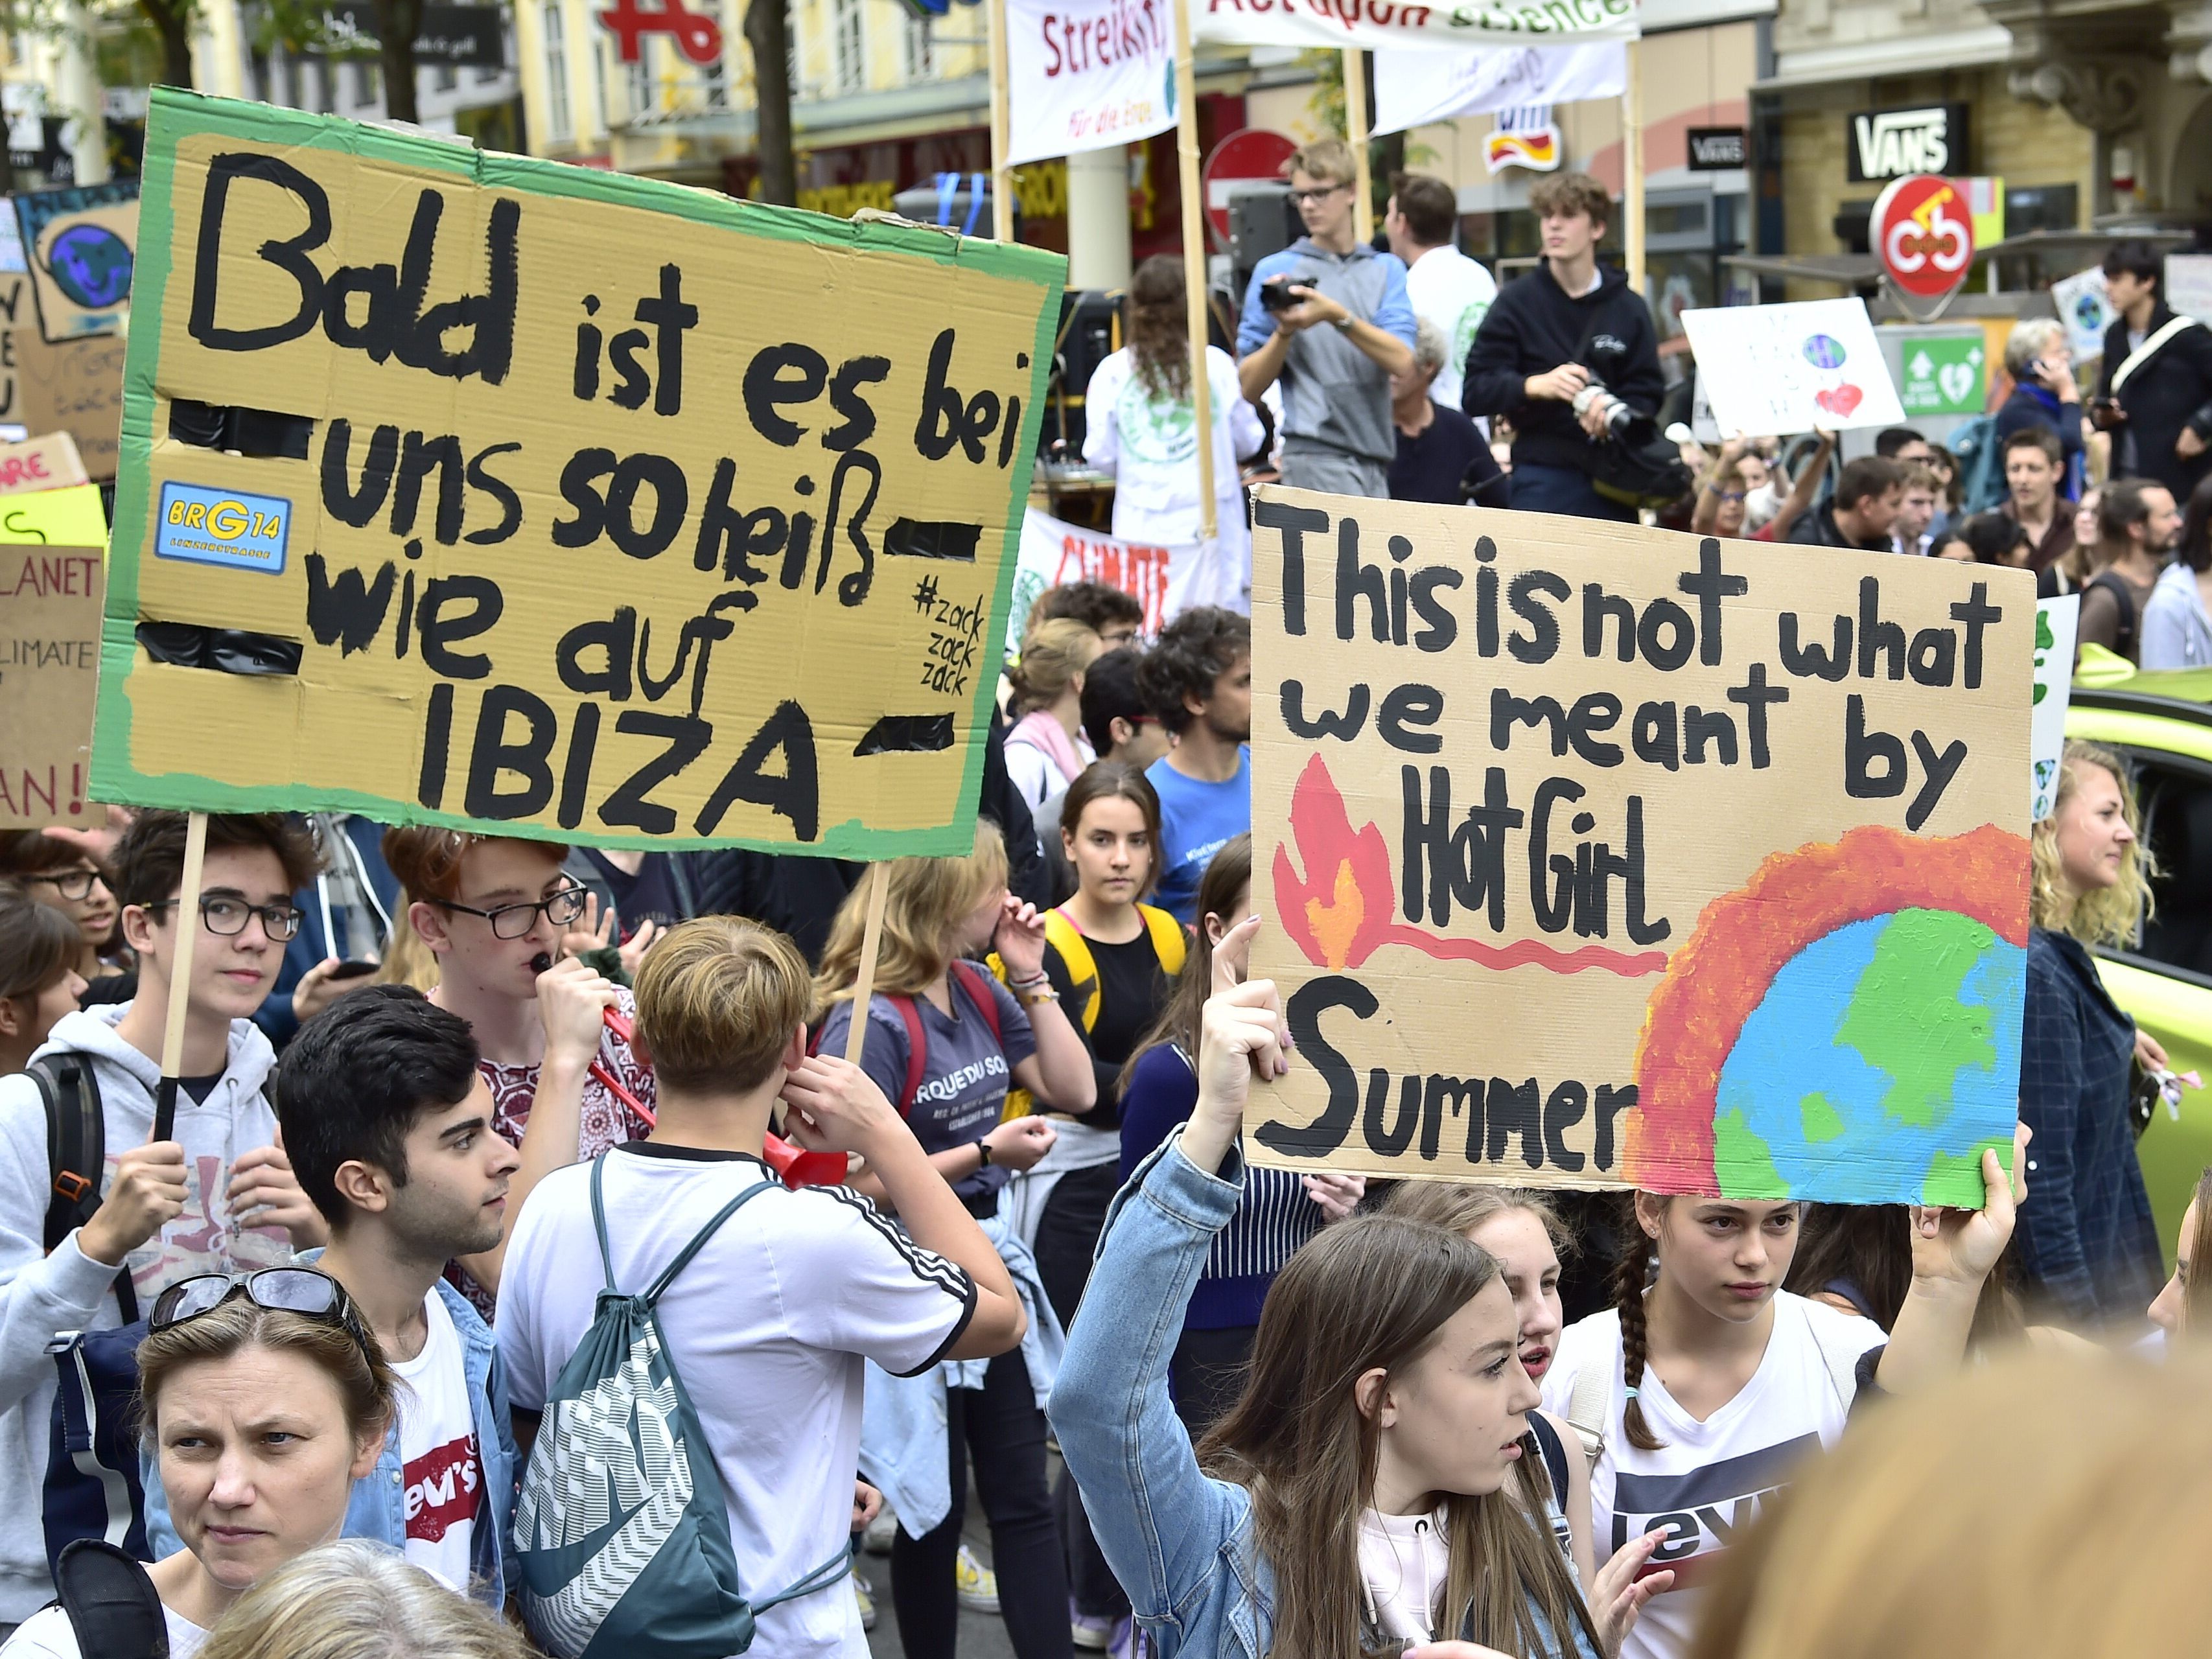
1703, 1387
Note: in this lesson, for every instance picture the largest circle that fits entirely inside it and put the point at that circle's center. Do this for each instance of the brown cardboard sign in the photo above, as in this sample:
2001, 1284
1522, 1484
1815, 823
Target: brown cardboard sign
596, 508
81, 243
1595, 855
73, 386
49, 663
48, 463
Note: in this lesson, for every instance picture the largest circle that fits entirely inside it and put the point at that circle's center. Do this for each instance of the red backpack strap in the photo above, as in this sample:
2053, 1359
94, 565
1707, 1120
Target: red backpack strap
977, 984
917, 1049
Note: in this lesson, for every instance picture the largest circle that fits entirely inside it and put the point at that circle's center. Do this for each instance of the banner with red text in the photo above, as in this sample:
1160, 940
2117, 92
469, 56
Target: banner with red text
1380, 25
1085, 74
1054, 552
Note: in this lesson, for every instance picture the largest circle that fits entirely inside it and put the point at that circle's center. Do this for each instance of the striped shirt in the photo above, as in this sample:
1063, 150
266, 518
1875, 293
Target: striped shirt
1273, 1219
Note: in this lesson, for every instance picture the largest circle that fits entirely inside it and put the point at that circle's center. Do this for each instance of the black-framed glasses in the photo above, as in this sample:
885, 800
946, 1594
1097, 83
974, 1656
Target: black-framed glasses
515, 921
70, 884
303, 1291
1300, 198
227, 916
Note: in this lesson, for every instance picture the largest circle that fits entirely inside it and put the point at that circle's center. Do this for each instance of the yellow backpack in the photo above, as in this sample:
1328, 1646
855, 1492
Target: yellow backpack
1169, 944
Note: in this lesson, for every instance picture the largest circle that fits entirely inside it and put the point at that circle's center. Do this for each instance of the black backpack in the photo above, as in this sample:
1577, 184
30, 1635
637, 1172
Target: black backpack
111, 1604
2124, 599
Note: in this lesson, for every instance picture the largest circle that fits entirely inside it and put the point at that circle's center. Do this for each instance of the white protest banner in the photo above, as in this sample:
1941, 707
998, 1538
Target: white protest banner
2085, 309
2189, 284
1414, 88
1380, 25
2056, 622
1085, 74
1780, 369
1054, 551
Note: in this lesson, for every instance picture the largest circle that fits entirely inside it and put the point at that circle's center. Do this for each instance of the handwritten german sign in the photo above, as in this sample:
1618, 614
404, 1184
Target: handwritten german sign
49, 660
595, 508
1595, 855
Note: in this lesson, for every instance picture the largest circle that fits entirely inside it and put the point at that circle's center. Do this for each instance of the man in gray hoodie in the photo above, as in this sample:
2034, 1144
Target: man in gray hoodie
217, 1197
1340, 327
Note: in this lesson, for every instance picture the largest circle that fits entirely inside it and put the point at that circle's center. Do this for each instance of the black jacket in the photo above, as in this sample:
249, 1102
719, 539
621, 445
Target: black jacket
2171, 391
1532, 329
1817, 527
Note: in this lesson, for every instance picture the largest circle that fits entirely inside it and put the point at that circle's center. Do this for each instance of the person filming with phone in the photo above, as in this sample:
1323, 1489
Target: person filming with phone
1330, 318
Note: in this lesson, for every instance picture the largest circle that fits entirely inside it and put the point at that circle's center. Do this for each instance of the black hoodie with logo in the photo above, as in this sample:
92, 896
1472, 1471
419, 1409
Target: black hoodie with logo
1534, 326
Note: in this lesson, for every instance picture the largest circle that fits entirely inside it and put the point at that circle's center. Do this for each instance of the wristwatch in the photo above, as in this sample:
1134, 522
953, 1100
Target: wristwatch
983, 1151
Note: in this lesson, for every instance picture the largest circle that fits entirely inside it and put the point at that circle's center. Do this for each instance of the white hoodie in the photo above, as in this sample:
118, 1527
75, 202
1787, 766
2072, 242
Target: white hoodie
42, 1295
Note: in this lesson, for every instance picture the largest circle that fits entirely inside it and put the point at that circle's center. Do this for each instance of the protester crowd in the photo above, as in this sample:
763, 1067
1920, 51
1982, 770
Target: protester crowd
456, 1304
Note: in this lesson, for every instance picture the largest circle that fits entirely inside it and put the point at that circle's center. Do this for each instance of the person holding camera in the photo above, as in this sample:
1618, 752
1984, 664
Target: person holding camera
2155, 396
1330, 318
1569, 354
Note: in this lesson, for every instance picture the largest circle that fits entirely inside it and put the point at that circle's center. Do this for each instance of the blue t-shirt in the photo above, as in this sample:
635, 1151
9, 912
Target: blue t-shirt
966, 1071
1196, 819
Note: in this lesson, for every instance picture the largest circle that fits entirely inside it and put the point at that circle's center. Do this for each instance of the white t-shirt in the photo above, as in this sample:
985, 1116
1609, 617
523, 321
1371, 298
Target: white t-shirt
1455, 293
438, 1452
766, 1328
1709, 1478
1404, 1560
47, 1634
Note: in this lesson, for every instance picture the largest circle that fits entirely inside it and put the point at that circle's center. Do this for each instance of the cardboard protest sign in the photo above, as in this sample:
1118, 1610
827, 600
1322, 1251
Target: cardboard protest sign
1054, 551
68, 517
2086, 308
2188, 286
597, 508
79, 243
49, 663
48, 463
1380, 25
2057, 622
1774, 370
73, 386
1084, 74
1593, 855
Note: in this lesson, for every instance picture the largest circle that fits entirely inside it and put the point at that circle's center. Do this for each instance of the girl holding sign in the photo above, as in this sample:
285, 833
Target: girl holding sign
945, 1041
1374, 1486
1707, 1384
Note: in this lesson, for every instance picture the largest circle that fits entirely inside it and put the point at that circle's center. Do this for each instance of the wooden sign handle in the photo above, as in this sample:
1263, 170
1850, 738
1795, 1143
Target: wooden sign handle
871, 935
181, 976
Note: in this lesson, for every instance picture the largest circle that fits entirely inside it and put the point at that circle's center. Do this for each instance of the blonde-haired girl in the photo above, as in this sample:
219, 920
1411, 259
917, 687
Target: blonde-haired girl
2088, 1243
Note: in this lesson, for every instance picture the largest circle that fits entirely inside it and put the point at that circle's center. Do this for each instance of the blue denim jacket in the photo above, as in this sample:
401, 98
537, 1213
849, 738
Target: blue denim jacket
379, 1507
1179, 1542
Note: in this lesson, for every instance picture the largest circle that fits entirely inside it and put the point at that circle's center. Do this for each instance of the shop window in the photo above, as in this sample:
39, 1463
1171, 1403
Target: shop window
2042, 207
559, 124
848, 40
920, 49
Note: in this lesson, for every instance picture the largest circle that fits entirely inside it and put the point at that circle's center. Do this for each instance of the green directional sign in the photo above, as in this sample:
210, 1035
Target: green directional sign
1943, 376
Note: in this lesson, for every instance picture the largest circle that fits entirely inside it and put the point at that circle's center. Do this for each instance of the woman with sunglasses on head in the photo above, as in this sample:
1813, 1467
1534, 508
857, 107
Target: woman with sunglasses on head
38, 983
264, 1400
58, 873
492, 911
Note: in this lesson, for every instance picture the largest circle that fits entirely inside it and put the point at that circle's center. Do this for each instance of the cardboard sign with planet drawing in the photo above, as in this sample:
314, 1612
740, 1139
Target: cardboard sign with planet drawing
1599, 856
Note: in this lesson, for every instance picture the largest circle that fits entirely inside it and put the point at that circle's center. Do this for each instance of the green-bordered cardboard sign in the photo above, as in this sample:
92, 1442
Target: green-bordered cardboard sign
600, 509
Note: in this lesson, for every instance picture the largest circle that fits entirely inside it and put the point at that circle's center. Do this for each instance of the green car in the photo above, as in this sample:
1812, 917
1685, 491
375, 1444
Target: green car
2162, 724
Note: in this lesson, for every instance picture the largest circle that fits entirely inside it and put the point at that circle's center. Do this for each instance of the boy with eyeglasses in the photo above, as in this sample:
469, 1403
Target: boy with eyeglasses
389, 1126
493, 910
218, 1196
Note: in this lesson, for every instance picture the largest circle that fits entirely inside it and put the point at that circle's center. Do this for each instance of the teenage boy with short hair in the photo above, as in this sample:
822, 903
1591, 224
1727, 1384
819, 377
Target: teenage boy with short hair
2154, 394
218, 1196
1916, 510
1198, 679
1443, 285
389, 1126
1869, 492
1568, 326
768, 1326
1341, 328
2033, 459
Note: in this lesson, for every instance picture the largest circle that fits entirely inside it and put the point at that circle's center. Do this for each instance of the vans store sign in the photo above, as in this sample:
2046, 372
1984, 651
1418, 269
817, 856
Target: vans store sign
1889, 143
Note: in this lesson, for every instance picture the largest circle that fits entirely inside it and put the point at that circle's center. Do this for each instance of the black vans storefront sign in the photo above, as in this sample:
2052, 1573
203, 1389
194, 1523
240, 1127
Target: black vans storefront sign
1890, 144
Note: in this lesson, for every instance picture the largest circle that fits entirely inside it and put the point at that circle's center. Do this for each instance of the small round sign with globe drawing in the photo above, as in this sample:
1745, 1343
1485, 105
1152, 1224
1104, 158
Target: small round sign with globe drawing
1923, 235
91, 264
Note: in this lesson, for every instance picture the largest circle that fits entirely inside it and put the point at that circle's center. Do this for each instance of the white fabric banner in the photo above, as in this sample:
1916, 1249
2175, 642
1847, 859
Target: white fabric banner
1379, 24
1054, 551
1414, 88
1085, 74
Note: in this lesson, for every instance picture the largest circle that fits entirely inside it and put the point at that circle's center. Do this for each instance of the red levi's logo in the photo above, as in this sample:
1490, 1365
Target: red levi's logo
442, 1488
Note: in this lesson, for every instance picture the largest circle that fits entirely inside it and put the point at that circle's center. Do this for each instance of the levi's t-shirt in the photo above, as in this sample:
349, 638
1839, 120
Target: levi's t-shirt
438, 1453
966, 1070
1710, 1478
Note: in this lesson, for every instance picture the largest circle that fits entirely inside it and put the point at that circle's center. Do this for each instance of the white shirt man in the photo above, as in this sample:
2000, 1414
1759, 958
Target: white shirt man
1446, 287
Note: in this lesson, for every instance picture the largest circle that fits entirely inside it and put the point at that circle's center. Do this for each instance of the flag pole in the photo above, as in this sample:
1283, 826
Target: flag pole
1002, 178
1355, 132
1631, 166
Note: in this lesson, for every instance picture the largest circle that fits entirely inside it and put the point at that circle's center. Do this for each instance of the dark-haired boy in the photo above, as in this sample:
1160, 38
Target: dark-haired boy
218, 1196
1198, 680
389, 1125
1121, 728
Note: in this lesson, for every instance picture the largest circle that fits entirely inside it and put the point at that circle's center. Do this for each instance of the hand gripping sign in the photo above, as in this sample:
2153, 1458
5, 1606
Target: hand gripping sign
1924, 238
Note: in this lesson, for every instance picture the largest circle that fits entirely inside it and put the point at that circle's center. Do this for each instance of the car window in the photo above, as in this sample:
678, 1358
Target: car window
2177, 799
